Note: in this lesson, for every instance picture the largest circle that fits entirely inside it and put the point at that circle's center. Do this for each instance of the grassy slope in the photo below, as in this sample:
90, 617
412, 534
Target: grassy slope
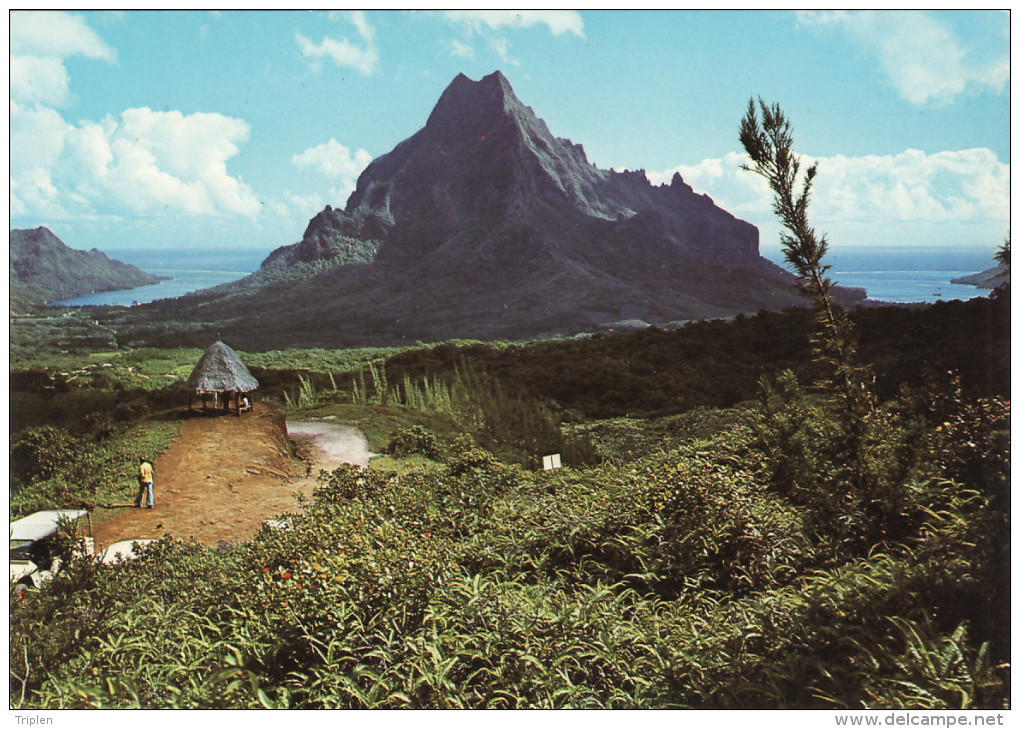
678, 574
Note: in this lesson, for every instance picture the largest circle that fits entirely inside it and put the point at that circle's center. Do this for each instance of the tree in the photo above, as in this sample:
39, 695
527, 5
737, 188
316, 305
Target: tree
1002, 255
769, 144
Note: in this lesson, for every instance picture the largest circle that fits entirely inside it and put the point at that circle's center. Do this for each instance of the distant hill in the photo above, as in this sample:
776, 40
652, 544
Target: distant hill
45, 269
990, 278
484, 225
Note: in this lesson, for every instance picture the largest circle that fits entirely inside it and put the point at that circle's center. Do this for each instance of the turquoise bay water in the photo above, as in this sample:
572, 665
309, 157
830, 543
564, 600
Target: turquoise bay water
191, 269
899, 275
909, 286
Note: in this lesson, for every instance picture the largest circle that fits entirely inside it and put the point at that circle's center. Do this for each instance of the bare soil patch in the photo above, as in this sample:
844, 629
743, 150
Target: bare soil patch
222, 477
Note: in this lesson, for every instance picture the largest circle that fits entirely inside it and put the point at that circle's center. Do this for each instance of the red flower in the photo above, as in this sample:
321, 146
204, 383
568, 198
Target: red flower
428, 534
286, 575
265, 569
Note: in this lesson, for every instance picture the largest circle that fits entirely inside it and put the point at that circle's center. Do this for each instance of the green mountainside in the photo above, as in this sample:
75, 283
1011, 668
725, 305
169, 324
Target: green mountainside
990, 278
45, 269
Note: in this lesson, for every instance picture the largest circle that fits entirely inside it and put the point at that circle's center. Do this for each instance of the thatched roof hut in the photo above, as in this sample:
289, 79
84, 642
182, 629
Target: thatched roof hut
220, 373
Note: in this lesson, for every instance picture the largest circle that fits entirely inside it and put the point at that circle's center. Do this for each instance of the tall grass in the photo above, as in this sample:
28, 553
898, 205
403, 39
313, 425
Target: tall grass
307, 394
500, 418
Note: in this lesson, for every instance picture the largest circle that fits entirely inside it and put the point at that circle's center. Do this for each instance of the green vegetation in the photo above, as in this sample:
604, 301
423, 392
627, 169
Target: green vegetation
730, 568
714, 542
52, 468
78, 425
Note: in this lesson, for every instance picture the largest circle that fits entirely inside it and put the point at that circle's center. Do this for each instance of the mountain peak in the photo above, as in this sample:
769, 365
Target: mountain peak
466, 105
484, 216
494, 81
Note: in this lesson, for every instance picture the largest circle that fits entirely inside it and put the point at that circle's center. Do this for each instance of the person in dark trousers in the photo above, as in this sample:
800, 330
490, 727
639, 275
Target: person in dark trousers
145, 476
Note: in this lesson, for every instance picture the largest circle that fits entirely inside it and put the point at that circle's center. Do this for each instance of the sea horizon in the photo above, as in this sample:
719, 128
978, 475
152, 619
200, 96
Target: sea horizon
890, 274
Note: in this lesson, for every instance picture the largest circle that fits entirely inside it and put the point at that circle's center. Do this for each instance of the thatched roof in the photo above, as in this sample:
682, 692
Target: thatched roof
221, 370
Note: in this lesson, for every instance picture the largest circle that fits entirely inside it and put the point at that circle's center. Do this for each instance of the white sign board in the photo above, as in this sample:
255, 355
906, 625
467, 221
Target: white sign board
551, 462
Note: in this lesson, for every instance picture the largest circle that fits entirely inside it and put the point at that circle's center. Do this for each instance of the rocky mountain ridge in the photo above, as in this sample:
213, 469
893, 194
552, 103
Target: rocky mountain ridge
484, 225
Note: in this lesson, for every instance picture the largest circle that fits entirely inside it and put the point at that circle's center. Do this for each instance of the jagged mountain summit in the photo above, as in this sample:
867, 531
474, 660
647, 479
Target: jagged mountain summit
485, 225
44, 269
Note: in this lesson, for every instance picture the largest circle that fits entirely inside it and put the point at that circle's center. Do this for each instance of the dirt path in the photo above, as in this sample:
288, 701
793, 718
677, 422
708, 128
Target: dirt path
223, 476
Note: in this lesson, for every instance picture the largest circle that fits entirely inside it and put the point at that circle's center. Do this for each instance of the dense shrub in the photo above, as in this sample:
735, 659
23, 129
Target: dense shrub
713, 559
414, 440
41, 453
52, 469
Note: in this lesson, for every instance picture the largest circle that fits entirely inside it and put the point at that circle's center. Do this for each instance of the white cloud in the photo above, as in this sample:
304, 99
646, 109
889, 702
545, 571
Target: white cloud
38, 79
360, 21
873, 193
304, 205
557, 21
37, 143
924, 60
459, 49
335, 161
40, 42
56, 34
501, 47
144, 162
363, 57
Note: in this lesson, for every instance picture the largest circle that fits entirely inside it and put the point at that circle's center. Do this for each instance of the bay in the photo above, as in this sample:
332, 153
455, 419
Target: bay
899, 275
904, 287
907, 275
191, 269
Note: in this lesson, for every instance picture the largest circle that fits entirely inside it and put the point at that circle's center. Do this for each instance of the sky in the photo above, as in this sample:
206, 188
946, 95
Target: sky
194, 129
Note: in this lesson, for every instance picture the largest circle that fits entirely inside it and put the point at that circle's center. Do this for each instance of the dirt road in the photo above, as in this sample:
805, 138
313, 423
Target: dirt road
223, 476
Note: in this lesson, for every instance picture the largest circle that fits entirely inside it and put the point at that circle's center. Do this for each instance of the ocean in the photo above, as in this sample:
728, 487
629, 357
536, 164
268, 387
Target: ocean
906, 275
899, 275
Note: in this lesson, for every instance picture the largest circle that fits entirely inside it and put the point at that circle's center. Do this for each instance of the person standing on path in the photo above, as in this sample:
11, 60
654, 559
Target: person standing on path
145, 476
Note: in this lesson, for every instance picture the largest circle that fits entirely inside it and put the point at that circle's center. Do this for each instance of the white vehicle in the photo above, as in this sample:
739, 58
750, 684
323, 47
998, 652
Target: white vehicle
125, 550
278, 525
32, 559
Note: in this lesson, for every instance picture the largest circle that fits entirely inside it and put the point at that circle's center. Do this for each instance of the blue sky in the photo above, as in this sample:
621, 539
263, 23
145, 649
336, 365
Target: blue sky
200, 129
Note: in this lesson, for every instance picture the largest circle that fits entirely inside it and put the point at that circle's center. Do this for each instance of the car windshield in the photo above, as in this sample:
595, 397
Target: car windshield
19, 548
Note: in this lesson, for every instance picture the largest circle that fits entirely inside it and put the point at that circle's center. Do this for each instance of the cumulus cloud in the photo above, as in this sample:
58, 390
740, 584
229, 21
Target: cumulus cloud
335, 161
557, 22
38, 80
924, 60
872, 193
40, 43
56, 34
37, 137
361, 56
142, 162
